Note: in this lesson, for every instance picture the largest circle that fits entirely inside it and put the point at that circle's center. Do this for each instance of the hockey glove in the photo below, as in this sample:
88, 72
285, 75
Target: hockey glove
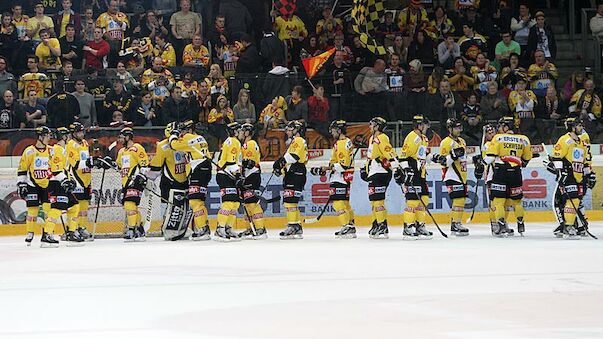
591, 180
399, 176
563, 174
106, 163
22, 188
139, 182
90, 162
439, 159
550, 166
479, 170
279, 165
248, 163
68, 185
457, 153
363, 173
477, 159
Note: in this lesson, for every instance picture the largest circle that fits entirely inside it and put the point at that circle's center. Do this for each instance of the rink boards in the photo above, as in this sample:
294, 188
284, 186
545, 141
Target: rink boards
538, 187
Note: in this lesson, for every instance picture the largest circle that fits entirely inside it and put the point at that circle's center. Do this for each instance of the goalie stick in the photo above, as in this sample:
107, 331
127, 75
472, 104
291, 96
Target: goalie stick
579, 214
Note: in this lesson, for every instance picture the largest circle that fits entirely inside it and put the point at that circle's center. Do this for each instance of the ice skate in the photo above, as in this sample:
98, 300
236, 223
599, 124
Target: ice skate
130, 235
260, 234
521, 227
459, 230
346, 232
234, 236
409, 232
558, 232
381, 232
84, 234
140, 234
570, 233
499, 228
29, 238
73, 239
373, 229
293, 231
422, 231
201, 234
48, 241
221, 235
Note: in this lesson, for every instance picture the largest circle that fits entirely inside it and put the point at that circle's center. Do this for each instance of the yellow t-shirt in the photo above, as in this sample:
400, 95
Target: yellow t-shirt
32, 25
64, 22
47, 59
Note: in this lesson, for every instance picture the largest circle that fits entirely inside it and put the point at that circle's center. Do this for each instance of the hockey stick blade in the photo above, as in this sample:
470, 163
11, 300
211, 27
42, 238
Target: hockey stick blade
311, 220
273, 199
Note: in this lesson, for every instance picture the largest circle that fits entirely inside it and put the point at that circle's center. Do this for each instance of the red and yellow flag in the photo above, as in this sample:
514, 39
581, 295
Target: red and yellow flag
314, 64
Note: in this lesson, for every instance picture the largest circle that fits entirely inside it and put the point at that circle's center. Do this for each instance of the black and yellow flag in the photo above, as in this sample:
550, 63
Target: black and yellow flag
365, 20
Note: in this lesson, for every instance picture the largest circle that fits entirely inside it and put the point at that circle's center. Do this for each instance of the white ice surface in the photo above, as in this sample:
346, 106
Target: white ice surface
318, 287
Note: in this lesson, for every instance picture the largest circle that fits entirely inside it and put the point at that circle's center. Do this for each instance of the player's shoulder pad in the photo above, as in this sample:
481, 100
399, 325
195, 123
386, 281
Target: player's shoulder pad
29, 150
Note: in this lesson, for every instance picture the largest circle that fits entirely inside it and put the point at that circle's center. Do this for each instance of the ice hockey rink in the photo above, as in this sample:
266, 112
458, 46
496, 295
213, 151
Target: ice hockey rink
319, 287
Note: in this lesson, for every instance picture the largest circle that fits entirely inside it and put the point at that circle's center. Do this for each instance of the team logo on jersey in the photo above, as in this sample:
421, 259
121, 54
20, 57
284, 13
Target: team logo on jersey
177, 156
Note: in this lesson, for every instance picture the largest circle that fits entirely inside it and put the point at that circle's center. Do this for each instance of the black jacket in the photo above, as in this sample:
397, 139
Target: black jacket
237, 17
533, 39
62, 109
175, 111
272, 51
11, 116
249, 61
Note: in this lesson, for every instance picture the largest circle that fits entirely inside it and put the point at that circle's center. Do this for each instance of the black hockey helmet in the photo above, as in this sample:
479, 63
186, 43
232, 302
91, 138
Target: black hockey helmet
570, 123
489, 128
247, 127
507, 121
379, 122
452, 123
127, 132
233, 127
418, 120
76, 127
339, 124
61, 132
43, 130
186, 125
297, 127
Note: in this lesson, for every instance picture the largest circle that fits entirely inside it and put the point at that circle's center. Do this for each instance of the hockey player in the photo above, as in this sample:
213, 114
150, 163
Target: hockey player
412, 175
80, 169
132, 161
196, 148
229, 180
32, 183
342, 173
453, 159
174, 169
489, 133
570, 161
378, 173
60, 188
293, 164
509, 153
251, 185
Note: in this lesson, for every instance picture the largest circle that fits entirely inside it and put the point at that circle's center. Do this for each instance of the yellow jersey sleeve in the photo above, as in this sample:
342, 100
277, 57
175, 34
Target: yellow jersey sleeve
231, 151
58, 159
159, 158
410, 146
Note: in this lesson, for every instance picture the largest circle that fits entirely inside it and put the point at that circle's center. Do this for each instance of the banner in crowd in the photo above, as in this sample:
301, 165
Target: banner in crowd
538, 185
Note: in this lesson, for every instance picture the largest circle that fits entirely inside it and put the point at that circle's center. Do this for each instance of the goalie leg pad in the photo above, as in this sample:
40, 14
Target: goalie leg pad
177, 216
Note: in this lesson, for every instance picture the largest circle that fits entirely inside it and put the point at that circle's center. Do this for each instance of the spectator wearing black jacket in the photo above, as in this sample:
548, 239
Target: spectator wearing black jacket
277, 83
249, 61
238, 18
421, 48
175, 108
541, 37
11, 112
117, 100
71, 47
145, 113
63, 109
339, 86
272, 50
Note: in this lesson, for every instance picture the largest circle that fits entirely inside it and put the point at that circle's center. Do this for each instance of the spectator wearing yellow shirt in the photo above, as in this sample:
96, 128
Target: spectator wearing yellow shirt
165, 50
216, 82
292, 31
542, 74
48, 51
274, 114
114, 25
413, 18
219, 117
189, 87
20, 21
38, 22
195, 54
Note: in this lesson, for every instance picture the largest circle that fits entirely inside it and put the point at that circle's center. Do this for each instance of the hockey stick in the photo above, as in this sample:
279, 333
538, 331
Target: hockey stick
100, 190
147, 219
578, 213
431, 215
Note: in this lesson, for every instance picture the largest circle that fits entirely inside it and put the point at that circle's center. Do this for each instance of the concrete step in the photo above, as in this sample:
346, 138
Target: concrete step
568, 54
559, 29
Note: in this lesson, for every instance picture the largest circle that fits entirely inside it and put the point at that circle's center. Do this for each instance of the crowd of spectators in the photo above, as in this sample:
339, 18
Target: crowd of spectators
147, 63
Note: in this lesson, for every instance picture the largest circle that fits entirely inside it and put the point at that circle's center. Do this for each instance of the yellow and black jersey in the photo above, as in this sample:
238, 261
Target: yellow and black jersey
510, 149
455, 170
130, 160
297, 151
230, 156
58, 161
585, 139
380, 153
522, 108
251, 151
38, 82
194, 145
342, 161
572, 153
172, 164
415, 150
77, 155
34, 167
